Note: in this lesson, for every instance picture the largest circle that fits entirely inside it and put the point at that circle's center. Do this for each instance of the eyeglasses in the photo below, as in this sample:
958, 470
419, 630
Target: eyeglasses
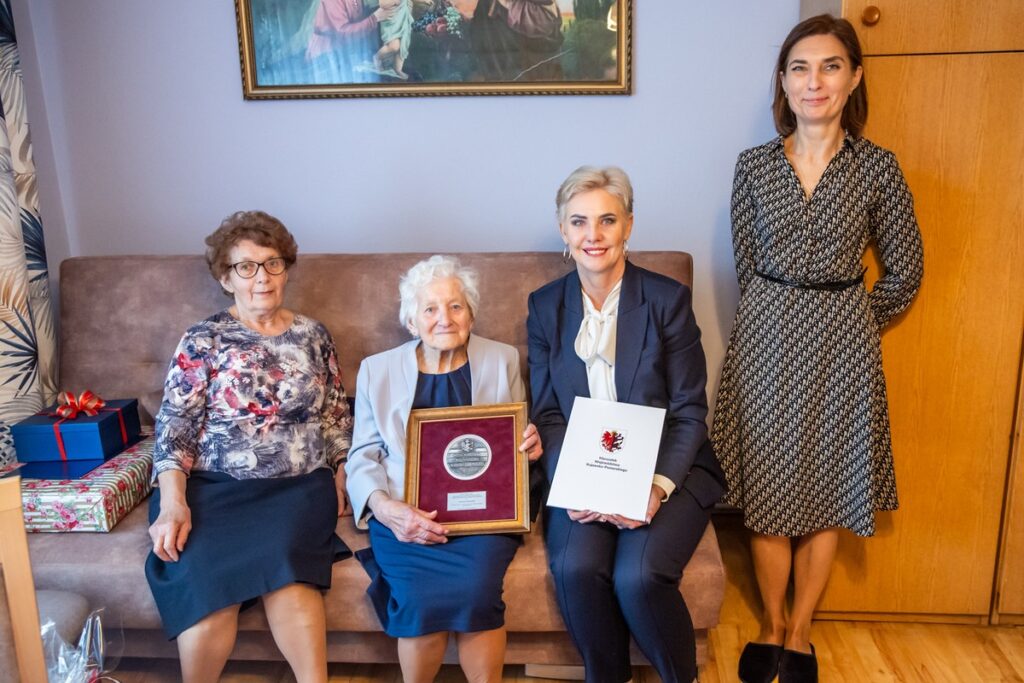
248, 269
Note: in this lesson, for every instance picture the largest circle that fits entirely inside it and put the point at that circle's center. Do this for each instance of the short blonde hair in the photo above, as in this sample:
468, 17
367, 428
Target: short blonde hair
611, 179
436, 267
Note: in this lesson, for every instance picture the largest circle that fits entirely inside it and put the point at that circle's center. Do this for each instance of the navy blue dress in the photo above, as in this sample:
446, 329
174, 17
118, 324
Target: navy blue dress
453, 586
249, 537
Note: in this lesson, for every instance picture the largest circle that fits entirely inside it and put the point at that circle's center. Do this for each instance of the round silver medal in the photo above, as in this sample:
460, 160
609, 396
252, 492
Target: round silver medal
467, 457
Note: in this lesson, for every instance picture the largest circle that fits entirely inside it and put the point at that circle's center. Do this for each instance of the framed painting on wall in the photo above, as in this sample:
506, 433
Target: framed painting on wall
375, 48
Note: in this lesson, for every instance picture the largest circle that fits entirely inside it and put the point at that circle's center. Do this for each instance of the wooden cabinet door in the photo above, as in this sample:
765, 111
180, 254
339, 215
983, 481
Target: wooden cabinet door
1009, 607
954, 122
928, 26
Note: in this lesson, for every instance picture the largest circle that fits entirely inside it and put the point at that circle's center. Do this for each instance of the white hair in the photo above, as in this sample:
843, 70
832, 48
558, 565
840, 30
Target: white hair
436, 267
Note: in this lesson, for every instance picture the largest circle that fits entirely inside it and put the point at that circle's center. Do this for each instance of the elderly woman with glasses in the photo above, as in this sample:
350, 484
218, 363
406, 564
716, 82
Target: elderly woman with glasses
253, 425
425, 584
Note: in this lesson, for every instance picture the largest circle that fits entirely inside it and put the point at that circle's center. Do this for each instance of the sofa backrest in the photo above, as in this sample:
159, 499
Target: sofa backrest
122, 316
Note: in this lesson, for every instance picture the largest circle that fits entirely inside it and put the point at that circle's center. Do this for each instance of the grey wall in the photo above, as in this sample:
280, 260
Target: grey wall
810, 8
143, 142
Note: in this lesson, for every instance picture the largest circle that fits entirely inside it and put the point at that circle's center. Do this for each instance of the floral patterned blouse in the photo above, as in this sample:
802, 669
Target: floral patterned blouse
253, 406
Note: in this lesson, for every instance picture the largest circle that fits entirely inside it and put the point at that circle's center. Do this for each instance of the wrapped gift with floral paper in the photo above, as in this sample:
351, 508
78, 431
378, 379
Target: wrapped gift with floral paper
95, 502
83, 427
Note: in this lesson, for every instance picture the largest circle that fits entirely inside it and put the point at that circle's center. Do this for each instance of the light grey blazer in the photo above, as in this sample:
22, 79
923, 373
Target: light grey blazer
385, 389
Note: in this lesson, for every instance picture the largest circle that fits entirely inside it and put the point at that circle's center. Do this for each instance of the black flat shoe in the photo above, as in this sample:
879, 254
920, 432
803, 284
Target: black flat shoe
798, 667
759, 662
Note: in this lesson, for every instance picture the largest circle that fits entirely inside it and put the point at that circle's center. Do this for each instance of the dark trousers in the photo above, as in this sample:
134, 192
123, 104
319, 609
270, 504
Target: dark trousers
612, 582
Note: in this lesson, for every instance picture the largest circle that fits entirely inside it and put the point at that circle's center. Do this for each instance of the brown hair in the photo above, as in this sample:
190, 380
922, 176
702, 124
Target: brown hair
855, 113
255, 226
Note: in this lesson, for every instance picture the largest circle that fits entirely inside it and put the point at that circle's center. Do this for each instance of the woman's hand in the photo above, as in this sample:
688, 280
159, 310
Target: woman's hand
653, 505
654, 502
174, 523
584, 516
339, 484
531, 443
409, 524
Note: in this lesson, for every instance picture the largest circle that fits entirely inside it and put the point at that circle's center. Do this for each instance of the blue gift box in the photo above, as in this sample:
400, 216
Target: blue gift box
98, 437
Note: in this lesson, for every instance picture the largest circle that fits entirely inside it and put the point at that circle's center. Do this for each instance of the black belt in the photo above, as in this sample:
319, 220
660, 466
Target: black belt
837, 286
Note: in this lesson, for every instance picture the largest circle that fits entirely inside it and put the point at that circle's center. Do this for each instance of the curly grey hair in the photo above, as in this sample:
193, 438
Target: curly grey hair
435, 268
611, 179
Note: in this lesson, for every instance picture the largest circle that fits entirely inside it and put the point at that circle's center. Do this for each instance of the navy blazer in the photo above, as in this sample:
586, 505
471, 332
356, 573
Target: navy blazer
659, 362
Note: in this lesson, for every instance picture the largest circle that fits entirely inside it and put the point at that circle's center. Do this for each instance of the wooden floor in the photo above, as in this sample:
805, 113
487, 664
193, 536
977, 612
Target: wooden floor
848, 652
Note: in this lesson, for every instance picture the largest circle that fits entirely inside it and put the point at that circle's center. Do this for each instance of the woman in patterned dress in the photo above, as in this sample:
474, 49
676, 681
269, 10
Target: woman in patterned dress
802, 426
426, 585
253, 421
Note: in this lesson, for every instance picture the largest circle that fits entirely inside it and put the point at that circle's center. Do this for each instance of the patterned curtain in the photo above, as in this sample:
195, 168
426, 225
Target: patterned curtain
27, 344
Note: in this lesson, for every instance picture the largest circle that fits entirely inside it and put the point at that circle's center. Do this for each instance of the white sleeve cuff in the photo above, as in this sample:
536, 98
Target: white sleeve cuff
665, 483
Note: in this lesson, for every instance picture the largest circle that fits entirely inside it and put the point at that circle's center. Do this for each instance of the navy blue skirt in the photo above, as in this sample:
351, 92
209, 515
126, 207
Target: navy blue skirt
249, 537
453, 586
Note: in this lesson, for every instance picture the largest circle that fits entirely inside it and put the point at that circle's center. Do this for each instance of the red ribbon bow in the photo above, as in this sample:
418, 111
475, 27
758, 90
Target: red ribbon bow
87, 403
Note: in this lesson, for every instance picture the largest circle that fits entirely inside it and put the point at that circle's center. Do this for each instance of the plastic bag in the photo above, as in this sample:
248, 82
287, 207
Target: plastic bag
94, 656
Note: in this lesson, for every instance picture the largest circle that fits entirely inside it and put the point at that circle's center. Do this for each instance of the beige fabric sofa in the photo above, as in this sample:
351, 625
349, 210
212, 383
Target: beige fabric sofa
120, 319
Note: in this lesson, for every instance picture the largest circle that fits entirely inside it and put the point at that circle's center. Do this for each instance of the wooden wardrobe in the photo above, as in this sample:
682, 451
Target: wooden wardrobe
945, 85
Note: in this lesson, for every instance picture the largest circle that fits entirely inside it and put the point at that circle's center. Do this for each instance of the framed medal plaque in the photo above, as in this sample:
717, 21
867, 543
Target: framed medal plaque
465, 463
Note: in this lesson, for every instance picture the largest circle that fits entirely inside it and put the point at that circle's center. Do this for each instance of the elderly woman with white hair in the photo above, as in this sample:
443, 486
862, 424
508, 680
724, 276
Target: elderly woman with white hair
426, 585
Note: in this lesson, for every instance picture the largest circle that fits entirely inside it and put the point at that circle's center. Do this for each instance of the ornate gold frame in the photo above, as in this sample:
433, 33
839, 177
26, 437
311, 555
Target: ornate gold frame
517, 525
251, 90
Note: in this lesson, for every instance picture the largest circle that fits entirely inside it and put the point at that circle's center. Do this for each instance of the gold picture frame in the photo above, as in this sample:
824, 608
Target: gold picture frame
297, 49
469, 459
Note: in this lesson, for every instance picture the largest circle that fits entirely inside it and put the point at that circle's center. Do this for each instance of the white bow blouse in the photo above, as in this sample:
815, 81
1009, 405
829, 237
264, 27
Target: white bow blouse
595, 345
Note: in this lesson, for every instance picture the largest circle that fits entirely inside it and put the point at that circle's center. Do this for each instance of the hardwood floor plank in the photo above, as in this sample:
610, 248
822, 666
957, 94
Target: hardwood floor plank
848, 652
1011, 644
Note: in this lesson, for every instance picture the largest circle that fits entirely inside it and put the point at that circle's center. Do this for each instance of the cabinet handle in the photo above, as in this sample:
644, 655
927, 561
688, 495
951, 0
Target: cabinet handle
870, 15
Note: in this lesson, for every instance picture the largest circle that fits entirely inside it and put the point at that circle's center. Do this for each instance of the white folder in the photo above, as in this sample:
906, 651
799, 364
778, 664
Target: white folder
608, 458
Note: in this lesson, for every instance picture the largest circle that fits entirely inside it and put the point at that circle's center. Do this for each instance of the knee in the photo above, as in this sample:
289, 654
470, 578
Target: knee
428, 642
482, 655
571, 567
213, 627
636, 580
418, 651
296, 605
304, 616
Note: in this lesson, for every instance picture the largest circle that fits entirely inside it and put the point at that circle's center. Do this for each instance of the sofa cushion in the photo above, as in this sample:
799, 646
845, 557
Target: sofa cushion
108, 570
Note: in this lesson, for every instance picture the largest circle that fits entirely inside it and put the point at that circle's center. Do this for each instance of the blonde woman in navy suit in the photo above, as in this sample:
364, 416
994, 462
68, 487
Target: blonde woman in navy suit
426, 585
611, 330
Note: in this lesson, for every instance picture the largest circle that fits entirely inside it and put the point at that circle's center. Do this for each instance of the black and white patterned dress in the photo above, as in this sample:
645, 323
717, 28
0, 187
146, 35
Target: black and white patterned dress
802, 423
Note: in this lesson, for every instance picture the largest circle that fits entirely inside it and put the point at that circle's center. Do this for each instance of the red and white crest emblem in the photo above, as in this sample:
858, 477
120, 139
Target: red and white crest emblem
612, 440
